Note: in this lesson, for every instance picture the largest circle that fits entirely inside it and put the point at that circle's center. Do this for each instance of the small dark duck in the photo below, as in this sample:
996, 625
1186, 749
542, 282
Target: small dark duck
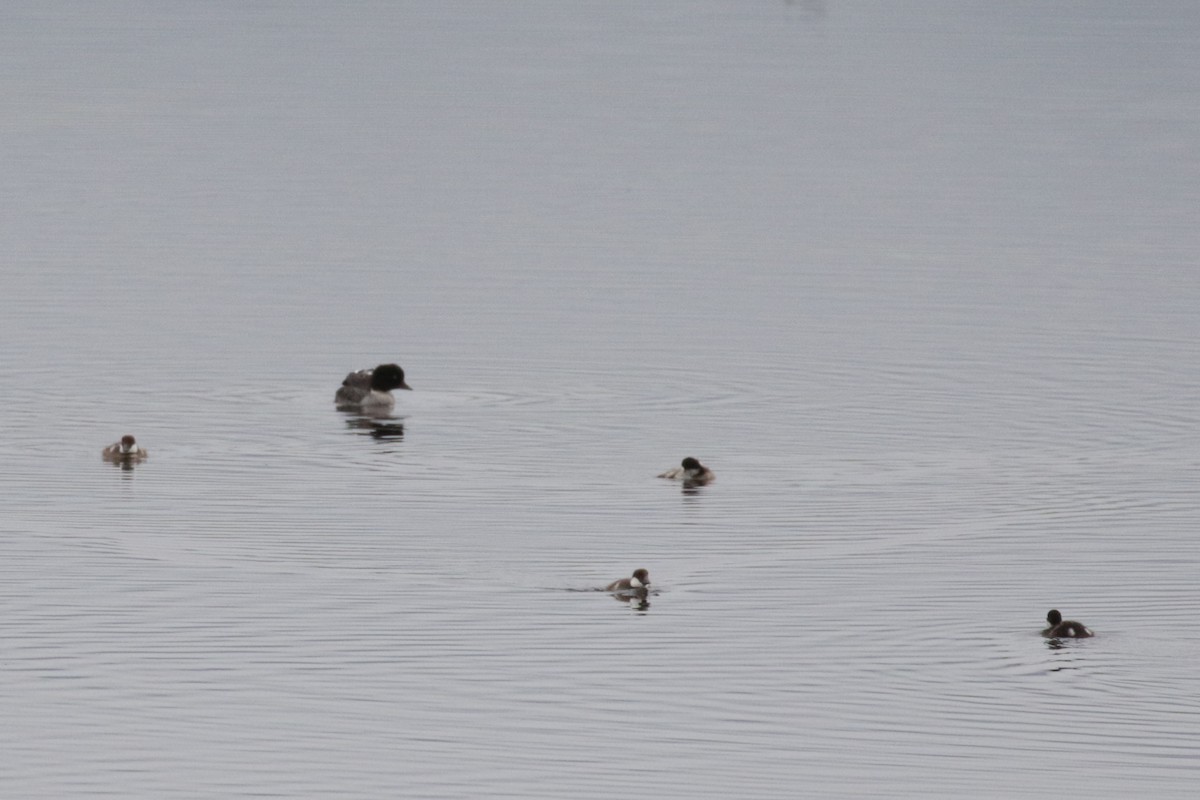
639, 580
689, 471
1064, 629
371, 388
126, 450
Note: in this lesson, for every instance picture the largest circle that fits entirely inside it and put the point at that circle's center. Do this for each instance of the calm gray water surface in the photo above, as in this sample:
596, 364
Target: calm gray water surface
918, 280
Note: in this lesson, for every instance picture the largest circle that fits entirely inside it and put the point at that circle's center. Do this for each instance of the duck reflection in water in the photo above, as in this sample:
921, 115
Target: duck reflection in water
376, 428
636, 599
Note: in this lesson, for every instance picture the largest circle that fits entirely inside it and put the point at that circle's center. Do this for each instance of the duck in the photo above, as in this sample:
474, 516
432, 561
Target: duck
639, 580
371, 388
125, 450
689, 471
1064, 629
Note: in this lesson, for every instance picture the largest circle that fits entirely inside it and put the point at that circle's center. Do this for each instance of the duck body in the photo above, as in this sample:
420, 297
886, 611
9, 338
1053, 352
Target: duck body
371, 388
690, 471
639, 580
125, 450
1064, 629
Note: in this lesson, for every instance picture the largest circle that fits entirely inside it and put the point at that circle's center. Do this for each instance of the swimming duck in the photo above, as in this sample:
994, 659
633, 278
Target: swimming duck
371, 388
1068, 629
689, 471
125, 450
640, 580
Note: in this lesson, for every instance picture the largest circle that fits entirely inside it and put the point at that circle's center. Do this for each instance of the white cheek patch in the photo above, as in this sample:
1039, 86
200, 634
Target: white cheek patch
635, 583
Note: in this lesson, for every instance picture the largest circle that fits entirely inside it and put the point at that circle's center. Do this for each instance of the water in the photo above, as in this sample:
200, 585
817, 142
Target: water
916, 280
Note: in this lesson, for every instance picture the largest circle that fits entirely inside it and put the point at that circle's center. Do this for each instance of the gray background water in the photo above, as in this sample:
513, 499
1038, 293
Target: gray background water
917, 279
